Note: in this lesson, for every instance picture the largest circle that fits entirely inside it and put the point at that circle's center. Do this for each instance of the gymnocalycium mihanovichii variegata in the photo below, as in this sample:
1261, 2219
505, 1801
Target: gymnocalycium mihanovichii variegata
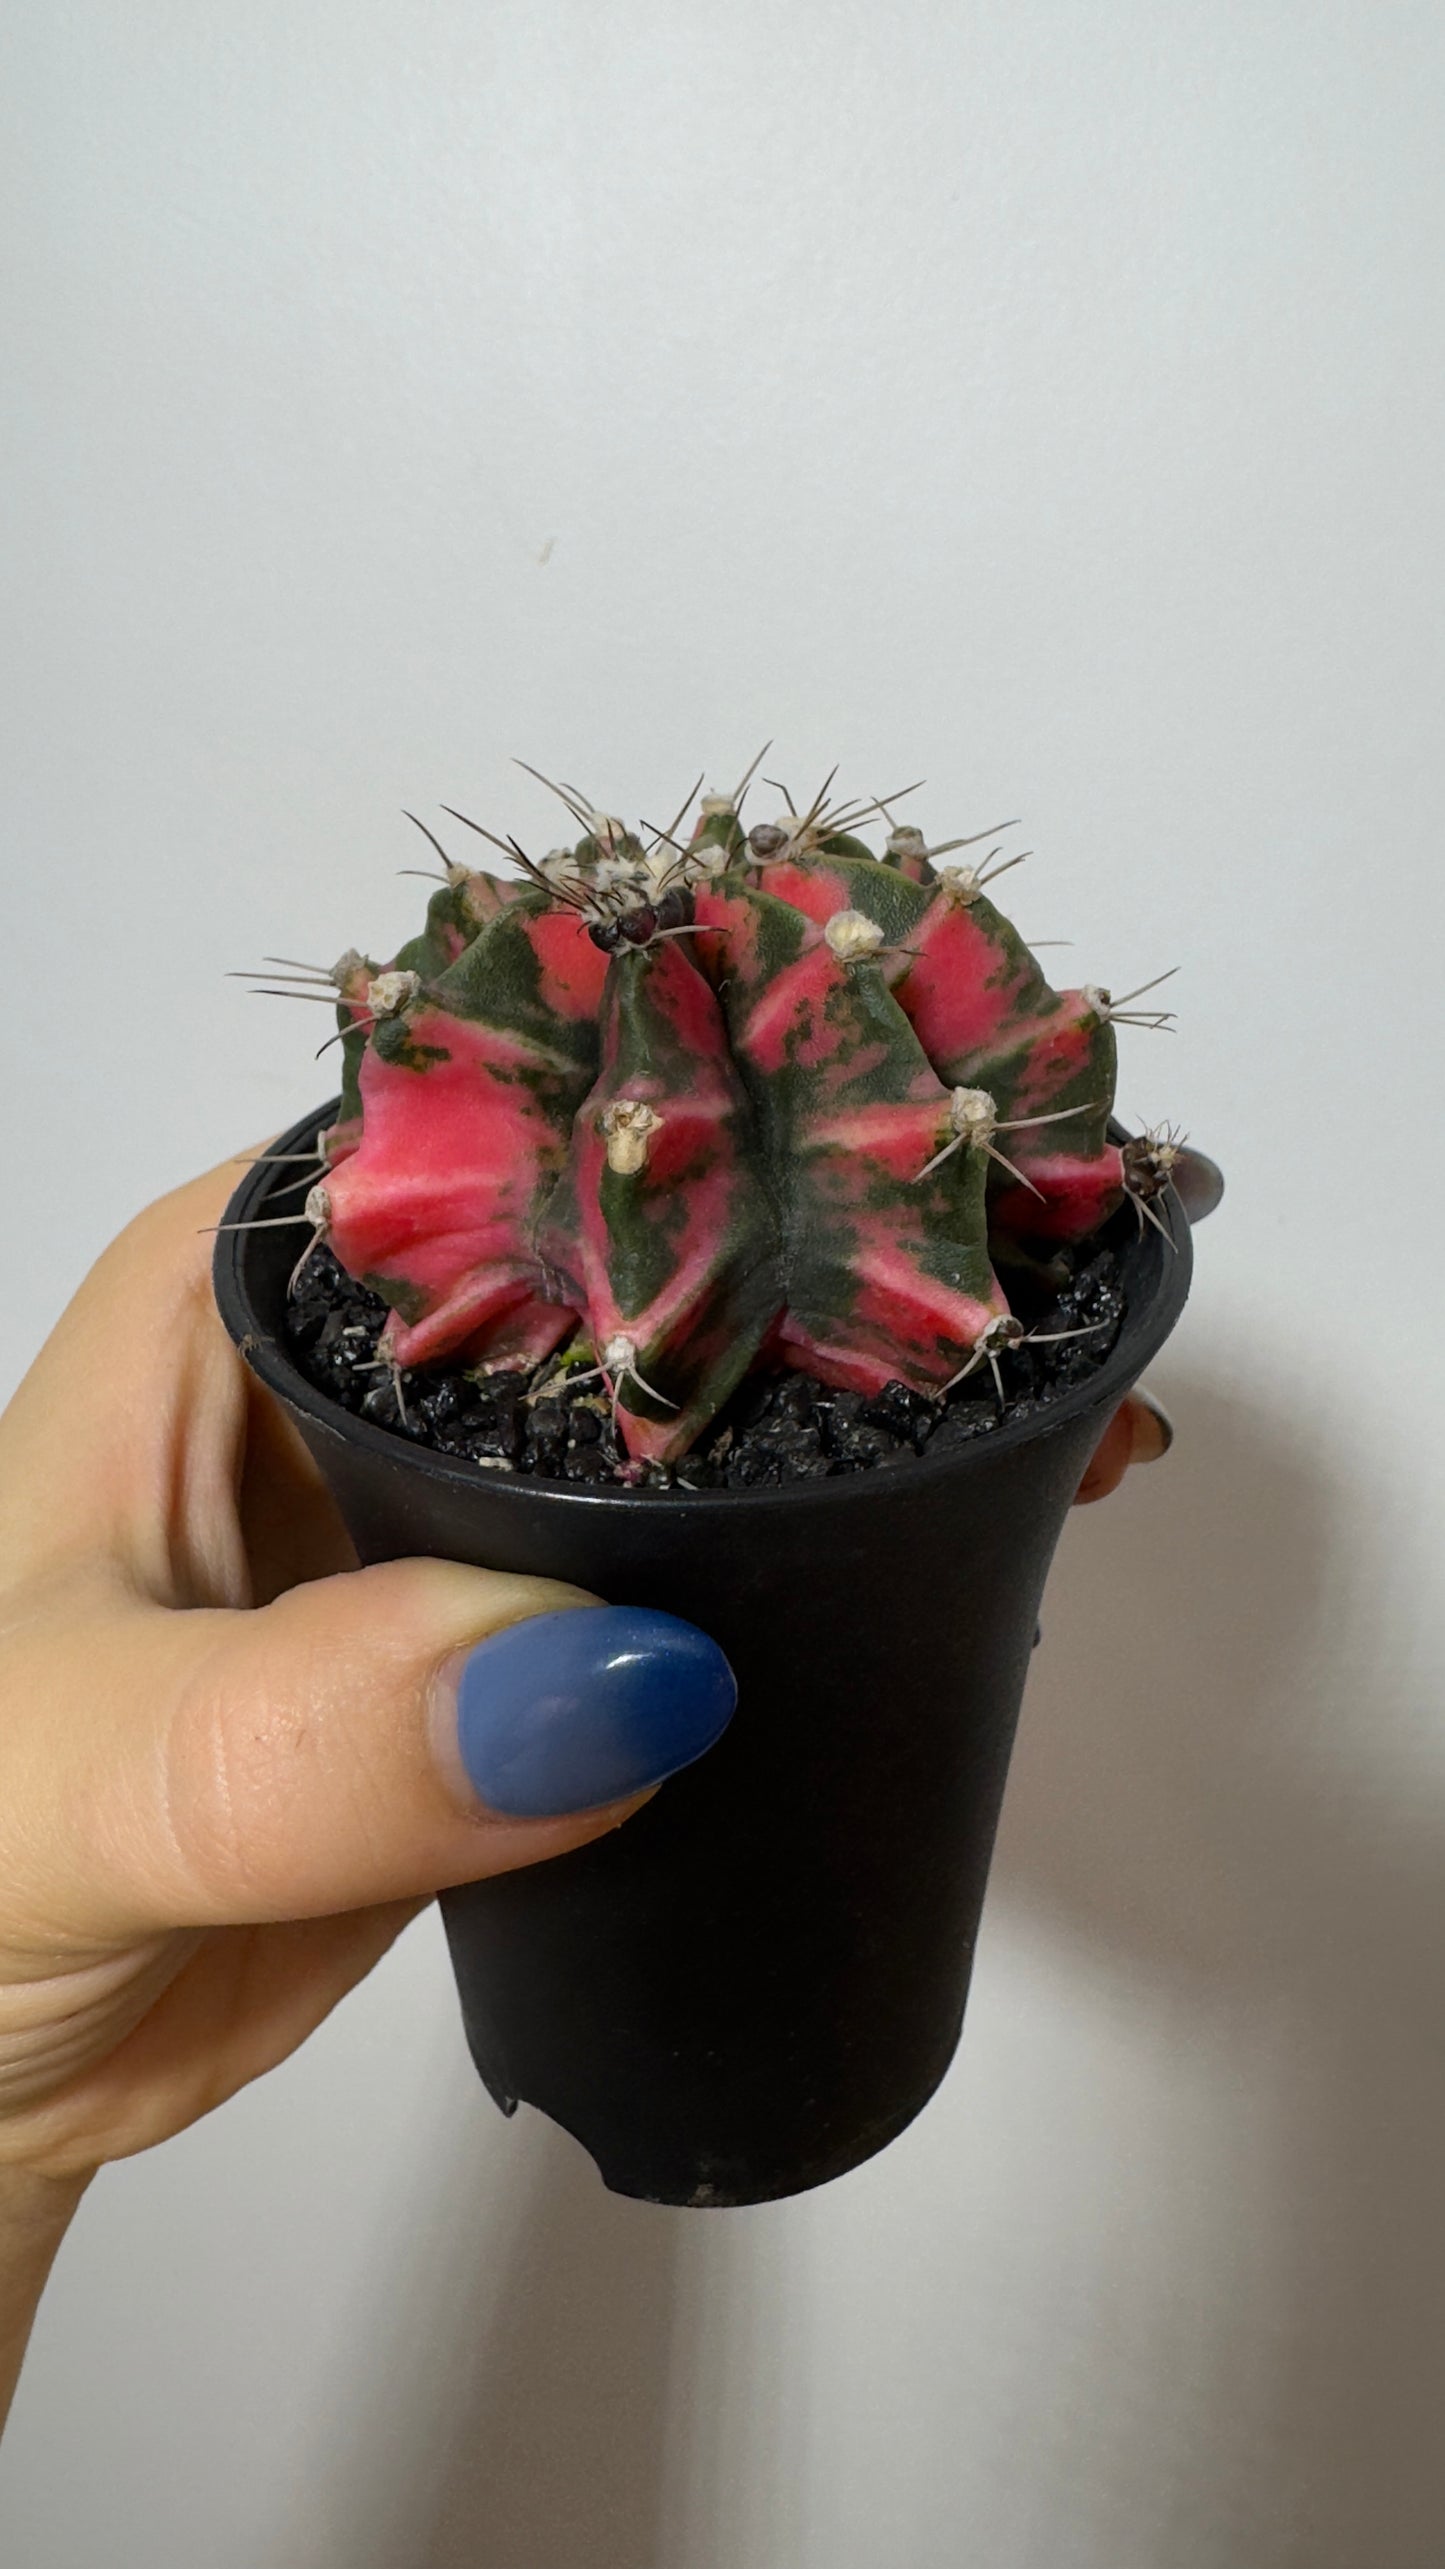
672, 1104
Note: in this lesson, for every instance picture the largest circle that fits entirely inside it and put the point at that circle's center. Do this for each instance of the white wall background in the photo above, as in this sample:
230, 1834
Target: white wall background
1045, 398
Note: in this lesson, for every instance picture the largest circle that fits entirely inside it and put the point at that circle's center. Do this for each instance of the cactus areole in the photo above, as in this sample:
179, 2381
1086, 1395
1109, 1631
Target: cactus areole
682, 1104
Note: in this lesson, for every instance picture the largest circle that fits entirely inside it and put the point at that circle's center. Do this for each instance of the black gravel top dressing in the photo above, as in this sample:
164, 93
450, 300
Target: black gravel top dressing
777, 1428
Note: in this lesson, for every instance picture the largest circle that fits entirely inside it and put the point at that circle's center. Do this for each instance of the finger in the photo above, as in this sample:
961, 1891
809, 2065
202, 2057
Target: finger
230, 2006
1139, 1432
98, 1448
1153, 1428
1198, 1181
1109, 1461
364, 1738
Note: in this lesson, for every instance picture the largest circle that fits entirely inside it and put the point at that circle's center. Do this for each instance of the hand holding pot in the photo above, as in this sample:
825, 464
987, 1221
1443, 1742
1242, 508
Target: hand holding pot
232, 1765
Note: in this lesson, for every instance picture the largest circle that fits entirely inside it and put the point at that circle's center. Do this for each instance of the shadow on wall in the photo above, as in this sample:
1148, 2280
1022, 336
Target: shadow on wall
526, 2339
558, 2457
521, 2337
1218, 1812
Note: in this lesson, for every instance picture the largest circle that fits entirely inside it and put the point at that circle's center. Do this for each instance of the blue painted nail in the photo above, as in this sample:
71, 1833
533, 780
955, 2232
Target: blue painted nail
570, 1710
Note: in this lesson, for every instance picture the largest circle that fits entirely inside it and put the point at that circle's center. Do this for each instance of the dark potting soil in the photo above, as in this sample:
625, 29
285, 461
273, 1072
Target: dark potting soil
778, 1427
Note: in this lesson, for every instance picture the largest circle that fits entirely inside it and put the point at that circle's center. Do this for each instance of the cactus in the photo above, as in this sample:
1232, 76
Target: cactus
699, 1105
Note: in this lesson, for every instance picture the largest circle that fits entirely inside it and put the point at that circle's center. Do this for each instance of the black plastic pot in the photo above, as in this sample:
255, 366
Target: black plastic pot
760, 1980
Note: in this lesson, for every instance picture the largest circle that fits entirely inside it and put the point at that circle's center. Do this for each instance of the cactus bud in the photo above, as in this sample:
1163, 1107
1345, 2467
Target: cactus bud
628, 1125
852, 937
1150, 1160
390, 992
674, 908
1148, 1164
767, 838
709, 856
1102, 1005
972, 1115
1006, 1331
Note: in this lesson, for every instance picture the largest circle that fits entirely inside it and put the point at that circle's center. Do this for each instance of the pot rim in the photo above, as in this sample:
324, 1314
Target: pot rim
1148, 1319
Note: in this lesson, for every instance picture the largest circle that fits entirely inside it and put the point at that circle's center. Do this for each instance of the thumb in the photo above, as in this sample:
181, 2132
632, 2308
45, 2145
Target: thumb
368, 1737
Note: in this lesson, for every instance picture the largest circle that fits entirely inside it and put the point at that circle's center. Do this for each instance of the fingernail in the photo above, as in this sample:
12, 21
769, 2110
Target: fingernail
1153, 1430
1198, 1181
568, 1711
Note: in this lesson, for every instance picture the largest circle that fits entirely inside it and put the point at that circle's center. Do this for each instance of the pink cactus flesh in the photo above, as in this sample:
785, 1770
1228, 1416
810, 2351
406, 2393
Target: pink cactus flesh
467, 1105
986, 1018
662, 1227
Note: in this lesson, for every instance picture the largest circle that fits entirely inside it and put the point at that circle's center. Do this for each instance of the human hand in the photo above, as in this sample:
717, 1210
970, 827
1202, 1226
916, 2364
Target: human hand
1139, 1432
231, 1766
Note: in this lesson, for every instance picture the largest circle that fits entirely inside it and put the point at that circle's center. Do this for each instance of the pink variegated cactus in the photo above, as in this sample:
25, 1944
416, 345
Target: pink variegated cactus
696, 1105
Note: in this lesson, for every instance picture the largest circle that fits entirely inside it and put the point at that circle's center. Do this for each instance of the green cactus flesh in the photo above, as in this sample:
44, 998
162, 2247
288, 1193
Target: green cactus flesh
662, 1229
886, 1273
695, 1110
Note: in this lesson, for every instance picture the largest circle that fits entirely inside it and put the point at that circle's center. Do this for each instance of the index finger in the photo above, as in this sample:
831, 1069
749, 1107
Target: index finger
130, 1422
